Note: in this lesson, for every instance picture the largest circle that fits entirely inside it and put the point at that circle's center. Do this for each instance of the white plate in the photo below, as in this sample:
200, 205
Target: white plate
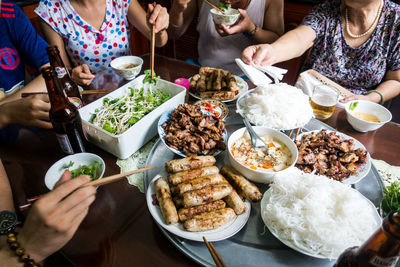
225, 231
242, 84
362, 170
290, 243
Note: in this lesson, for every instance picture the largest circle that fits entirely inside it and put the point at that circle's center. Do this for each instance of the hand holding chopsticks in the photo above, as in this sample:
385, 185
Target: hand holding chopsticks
214, 254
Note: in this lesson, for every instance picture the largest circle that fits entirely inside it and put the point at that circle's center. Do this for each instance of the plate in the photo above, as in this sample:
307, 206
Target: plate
290, 243
225, 231
213, 107
164, 118
362, 170
242, 84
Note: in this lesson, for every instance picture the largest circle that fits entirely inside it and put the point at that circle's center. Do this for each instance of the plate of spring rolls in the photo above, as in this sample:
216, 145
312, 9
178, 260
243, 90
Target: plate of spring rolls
216, 84
193, 198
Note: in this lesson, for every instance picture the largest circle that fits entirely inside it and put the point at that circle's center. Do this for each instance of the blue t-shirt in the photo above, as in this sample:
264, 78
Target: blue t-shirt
19, 44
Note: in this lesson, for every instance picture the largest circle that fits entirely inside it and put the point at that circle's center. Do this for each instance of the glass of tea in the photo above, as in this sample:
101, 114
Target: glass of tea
323, 101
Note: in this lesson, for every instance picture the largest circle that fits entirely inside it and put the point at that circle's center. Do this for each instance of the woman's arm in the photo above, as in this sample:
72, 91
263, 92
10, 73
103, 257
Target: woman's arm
158, 15
182, 13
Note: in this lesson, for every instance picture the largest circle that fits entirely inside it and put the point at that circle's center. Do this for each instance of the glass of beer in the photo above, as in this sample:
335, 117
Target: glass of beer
323, 101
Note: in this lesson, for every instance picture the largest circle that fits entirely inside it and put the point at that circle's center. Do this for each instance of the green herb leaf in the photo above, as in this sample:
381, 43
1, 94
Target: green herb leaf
70, 164
353, 105
224, 6
93, 171
391, 199
148, 79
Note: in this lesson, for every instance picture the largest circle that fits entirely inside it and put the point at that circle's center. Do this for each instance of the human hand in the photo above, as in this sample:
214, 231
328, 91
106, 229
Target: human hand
179, 6
260, 55
55, 217
244, 24
29, 111
82, 75
158, 16
355, 97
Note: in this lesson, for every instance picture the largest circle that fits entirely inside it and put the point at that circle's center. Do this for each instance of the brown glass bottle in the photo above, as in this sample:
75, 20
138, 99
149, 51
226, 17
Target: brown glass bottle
70, 87
64, 116
382, 249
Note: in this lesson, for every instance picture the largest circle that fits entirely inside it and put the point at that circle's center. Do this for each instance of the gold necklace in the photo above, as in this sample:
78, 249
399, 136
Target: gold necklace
369, 29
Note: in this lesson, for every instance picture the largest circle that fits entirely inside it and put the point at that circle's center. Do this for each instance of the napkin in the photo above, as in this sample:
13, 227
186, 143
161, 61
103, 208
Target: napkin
256, 73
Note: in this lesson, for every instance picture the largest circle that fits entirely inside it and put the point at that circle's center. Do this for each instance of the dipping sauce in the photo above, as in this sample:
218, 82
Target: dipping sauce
366, 116
127, 66
274, 157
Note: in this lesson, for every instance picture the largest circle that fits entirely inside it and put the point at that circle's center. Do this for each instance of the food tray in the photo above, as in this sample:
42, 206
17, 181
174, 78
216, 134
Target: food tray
254, 245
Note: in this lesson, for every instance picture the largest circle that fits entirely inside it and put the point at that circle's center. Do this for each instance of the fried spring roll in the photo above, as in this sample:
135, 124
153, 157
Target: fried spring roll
232, 84
207, 70
189, 163
187, 213
220, 95
207, 194
185, 176
164, 198
201, 83
209, 220
193, 82
242, 185
198, 183
218, 80
210, 81
235, 202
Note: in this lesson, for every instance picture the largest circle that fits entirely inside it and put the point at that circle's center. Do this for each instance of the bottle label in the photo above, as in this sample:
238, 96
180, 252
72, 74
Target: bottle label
60, 72
383, 262
76, 101
64, 143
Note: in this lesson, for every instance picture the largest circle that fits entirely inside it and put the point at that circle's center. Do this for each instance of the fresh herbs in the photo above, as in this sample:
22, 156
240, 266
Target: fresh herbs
353, 106
224, 6
147, 78
119, 114
391, 199
93, 170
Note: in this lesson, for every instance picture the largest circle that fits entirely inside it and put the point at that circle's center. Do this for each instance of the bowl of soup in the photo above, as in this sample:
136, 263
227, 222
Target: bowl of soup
366, 116
128, 67
229, 17
261, 164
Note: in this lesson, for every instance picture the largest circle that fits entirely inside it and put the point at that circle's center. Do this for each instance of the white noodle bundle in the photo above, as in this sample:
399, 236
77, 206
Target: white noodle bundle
319, 215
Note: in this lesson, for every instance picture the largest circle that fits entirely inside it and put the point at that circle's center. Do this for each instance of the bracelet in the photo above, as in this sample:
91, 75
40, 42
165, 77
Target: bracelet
251, 34
379, 93
20, 252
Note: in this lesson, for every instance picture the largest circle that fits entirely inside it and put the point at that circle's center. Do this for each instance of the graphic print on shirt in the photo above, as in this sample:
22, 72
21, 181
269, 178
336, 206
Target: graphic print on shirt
9, 59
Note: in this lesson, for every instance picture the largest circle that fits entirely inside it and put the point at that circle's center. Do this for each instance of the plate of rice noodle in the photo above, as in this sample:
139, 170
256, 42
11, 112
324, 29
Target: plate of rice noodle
317, 216
277, 106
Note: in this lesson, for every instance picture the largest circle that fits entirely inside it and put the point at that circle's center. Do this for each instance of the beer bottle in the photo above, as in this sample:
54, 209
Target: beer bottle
70, 87
382, 249
64, 116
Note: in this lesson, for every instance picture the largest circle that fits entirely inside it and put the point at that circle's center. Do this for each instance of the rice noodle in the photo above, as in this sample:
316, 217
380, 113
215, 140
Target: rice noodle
317, 214
277, 106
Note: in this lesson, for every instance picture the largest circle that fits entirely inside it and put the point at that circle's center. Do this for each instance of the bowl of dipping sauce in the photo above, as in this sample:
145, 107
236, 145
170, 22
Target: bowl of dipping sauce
128, 67
229, 18
366, 116
213, 107
261, 164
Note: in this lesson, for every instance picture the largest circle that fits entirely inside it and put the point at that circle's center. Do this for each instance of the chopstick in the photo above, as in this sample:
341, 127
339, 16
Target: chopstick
297, 133
214, 6
87, 92
153, 44
214, 254
98, 182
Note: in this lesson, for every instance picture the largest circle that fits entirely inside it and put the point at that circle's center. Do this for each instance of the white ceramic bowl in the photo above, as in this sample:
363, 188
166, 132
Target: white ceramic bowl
360, 125
127, 73
57, 169
228, 19
255, 175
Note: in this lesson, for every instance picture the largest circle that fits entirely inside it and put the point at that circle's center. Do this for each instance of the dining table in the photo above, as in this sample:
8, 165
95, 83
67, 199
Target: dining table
119, 230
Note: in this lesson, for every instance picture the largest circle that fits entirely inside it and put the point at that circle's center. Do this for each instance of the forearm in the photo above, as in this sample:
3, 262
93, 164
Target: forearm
161, 38
389, 89
265, 36
36, 85
7, 257
5, 117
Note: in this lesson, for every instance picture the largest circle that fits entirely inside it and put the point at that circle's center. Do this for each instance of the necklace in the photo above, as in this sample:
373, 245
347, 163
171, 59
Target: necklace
369, 29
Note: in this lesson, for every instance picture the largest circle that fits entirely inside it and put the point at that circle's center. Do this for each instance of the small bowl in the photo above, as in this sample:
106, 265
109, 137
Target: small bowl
360, 125
256, 175
121, 66
213, 107
57, 169
228, 19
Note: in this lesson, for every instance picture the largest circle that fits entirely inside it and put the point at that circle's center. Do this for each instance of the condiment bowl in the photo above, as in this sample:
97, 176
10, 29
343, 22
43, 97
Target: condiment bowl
230, 17
121, 66
258, 175
372, 108
55, 172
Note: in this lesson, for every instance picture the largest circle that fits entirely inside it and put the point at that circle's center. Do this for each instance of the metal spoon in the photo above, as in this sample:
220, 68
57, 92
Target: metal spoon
256, 141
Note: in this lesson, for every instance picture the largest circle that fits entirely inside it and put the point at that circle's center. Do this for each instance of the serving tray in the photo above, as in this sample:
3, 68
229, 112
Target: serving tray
254, 245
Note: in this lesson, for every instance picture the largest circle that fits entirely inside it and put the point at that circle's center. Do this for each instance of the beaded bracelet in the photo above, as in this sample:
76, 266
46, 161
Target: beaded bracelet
379, 93
20, 252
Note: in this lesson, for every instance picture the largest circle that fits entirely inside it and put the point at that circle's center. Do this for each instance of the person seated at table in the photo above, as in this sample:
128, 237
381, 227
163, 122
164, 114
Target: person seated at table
52, 220
20, 44
90, 34
354, 43
261, 21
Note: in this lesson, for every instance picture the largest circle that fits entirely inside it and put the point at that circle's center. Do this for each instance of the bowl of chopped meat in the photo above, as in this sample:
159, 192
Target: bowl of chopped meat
187, 130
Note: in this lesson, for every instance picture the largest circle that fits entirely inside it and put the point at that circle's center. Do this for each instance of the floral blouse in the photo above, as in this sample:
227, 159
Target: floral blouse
357, 69
85, 44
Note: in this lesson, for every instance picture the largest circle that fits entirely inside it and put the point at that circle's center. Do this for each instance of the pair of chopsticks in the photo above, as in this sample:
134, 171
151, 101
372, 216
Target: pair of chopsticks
297, 133
153, 45
87, 92
98, 182
214, 6
214, 254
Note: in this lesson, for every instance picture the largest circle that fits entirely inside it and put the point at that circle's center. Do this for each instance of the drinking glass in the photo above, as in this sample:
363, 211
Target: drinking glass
323, 101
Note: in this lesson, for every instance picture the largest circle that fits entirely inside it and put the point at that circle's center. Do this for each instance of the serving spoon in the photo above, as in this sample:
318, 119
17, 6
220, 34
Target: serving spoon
256, 141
